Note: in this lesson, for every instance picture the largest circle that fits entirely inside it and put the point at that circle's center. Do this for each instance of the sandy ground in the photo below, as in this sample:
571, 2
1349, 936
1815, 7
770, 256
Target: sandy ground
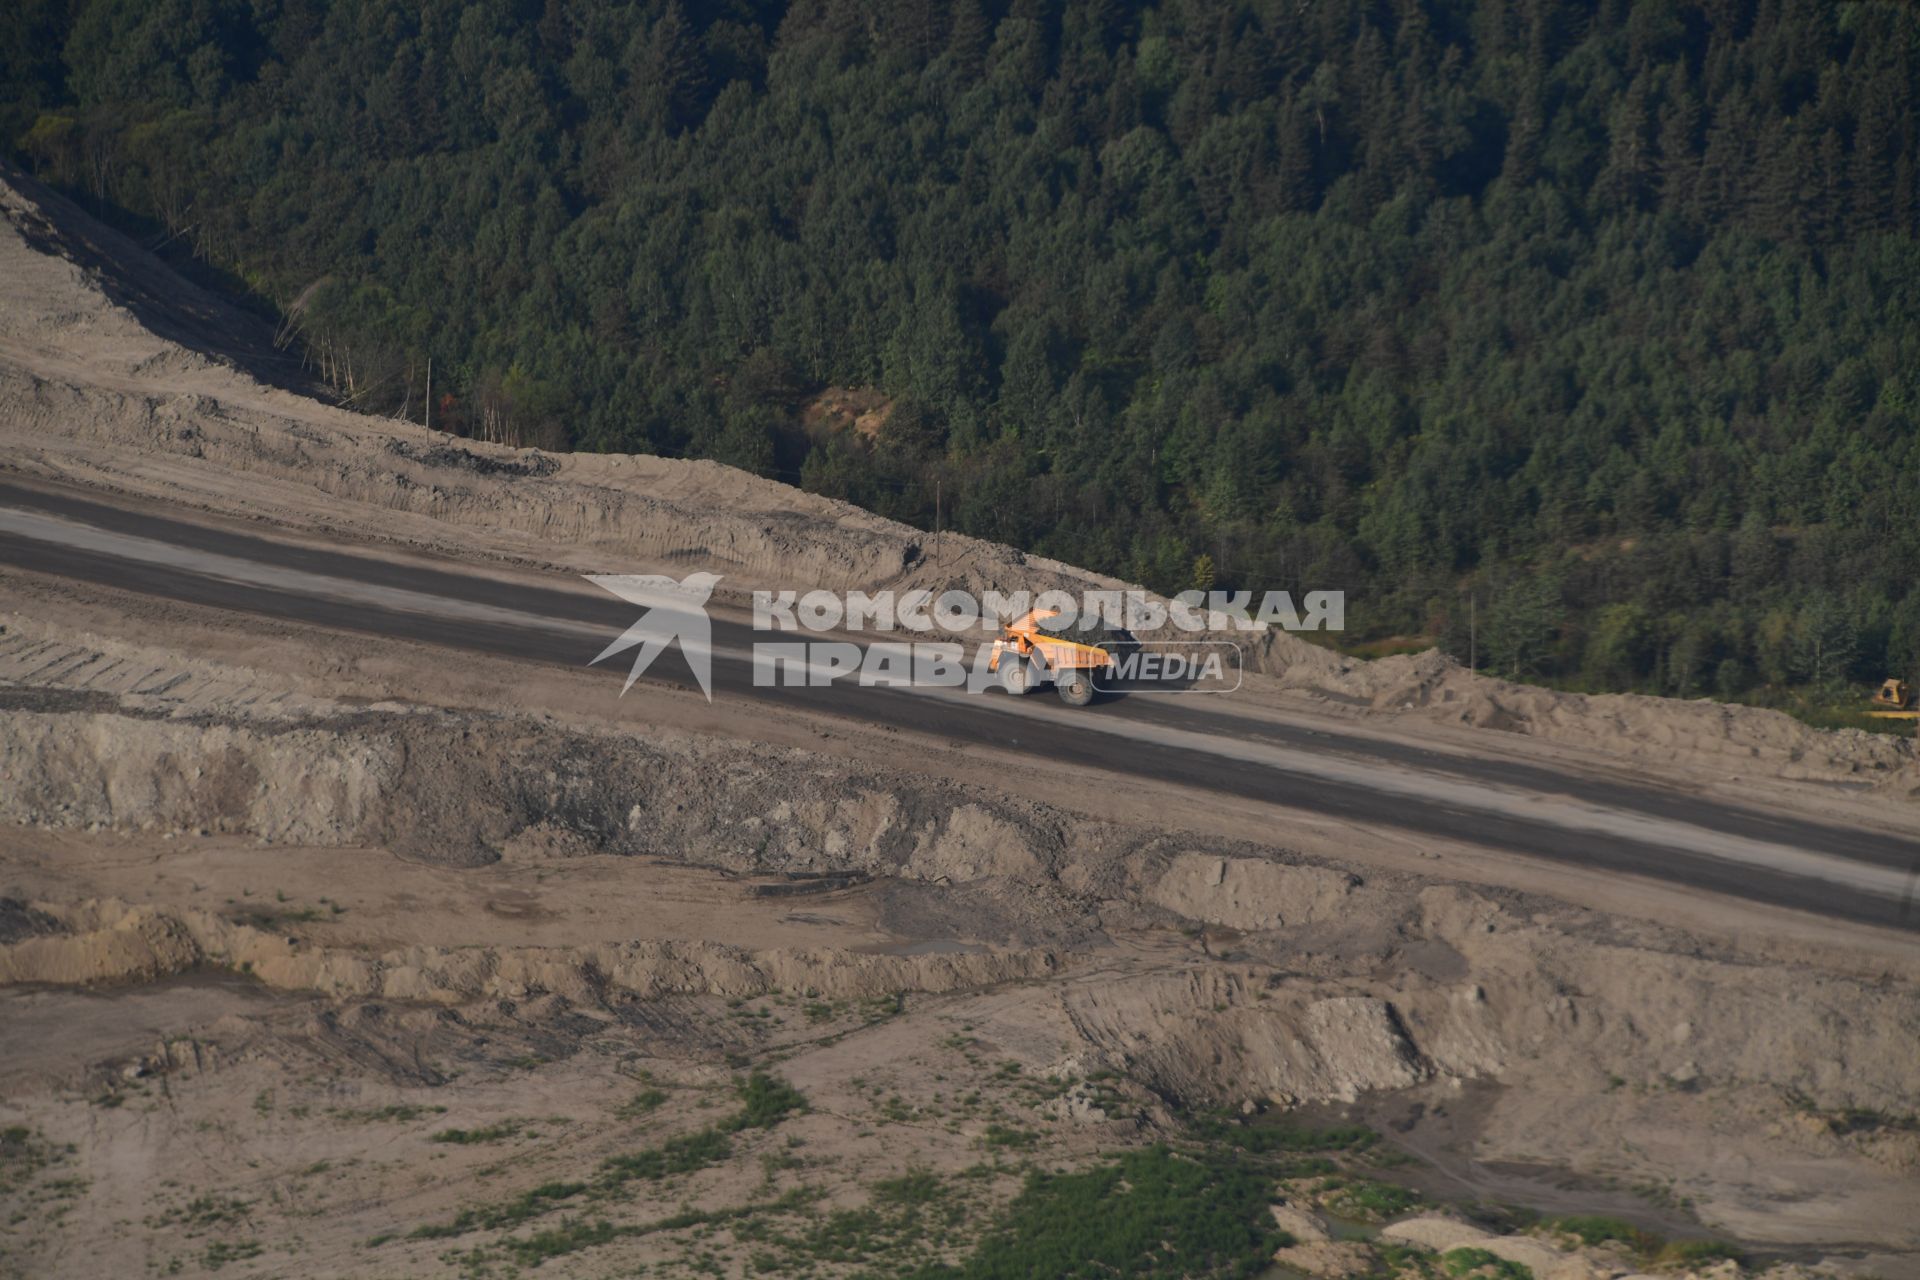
311, 943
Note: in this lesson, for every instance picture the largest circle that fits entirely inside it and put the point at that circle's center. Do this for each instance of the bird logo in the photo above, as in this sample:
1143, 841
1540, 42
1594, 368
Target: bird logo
675, 610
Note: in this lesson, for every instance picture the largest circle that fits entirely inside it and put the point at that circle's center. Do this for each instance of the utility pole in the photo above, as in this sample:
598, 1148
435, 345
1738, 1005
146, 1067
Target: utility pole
429, 393
936, 522
1473, 638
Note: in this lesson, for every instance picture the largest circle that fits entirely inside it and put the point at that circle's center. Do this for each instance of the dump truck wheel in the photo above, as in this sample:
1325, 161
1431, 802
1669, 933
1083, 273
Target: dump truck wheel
1014, 677
1076, 689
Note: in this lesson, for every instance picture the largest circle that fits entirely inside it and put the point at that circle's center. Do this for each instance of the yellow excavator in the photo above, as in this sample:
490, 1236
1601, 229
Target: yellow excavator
1025, 657
1895, 701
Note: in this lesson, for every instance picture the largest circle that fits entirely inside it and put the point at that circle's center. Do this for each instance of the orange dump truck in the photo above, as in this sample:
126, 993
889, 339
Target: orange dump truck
1025, 657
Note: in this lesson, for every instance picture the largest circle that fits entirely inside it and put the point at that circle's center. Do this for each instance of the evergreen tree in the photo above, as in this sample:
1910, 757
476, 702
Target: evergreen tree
1600, 310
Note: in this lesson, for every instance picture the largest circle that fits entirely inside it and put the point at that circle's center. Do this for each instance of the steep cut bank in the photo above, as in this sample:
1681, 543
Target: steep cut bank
1125, 961
1470, 982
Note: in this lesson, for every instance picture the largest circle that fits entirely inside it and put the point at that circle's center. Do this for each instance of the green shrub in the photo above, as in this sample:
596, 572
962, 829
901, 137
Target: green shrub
641, 1103
1283, 1136
1364, 1198
528, 1204
919, 1187
1000, 1135
1153, 1215
684, 1154
221, 1252
1593, 1230
568, 1237
1693, 1252
1480, 1263
489, 1133
765, 1101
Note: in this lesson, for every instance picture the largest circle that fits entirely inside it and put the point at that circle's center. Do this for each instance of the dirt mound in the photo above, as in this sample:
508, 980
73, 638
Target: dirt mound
1703, 733
107, 941
1252, 893
1533, 1004
861, 410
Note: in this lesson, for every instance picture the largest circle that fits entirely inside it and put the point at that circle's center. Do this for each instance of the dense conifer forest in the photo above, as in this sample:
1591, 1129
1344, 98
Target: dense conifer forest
1604, 314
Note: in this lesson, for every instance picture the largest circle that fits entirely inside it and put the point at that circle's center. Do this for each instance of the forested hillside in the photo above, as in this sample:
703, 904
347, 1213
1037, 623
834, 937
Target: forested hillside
1605, 313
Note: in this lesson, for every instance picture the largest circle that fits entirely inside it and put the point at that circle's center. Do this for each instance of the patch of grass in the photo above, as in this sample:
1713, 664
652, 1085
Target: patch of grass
576, 1234
918, 1187
1153, 1214
1664, 1195
569, 1237
880, 1008
1012, 1139
1402, 1260
1594, 1230
205, 1212
911, 1222
1303, 1167
775, 1163
398, 1112
269, 919
488, 1133
1370, 1201
1275, 1136
528, 1204
221, 1252
1483, 1265
642, 1103
847, 1236
1694, 1252
23, 1154
765, 1100
685, 1154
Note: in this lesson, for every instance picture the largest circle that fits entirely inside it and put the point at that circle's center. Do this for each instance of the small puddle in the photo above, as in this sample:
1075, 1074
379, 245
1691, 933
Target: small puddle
1348, 1228
1337, 1227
